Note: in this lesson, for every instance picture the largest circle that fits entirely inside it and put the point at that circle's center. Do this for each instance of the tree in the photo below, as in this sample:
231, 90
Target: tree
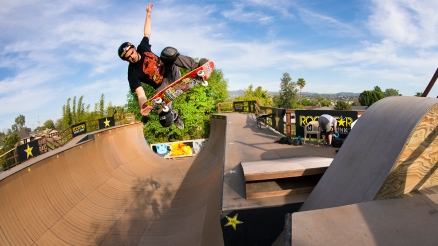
306, 102
301, 83
418, 94
67, 116
367, 98
49, 124
102, 105
80, 110
320, 101
391, 92
19, 123
260, 95
342, 105
74, 112
9, 142
288, 91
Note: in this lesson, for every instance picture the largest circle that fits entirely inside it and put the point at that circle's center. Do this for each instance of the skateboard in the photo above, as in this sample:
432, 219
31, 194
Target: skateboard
183, 84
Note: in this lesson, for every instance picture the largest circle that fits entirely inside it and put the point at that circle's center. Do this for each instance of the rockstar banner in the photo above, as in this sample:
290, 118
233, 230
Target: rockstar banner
344, 118
28, 150
106, 122
78, 129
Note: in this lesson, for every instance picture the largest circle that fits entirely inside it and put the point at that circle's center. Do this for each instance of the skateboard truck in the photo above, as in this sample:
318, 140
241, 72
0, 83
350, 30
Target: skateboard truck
201, 75
158, 101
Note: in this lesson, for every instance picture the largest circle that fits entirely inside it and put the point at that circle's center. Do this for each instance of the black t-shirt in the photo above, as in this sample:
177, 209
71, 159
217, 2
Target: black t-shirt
135, 70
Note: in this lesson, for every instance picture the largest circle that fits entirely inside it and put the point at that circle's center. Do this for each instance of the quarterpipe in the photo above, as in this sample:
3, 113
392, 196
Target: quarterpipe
391, 151
114, 190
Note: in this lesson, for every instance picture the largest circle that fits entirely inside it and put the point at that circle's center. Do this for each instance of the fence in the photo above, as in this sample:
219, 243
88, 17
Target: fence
280, 119
10, 158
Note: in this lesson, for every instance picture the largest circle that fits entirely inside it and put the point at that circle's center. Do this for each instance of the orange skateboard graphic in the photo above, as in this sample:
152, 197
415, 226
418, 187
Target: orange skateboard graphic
183, 84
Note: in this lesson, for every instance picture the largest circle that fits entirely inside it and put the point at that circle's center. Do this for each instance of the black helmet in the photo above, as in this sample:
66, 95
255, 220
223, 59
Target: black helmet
124, 48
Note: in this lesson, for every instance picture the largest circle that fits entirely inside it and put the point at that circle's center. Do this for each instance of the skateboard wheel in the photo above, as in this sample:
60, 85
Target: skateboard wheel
204, 83
165, 109
201, 73
158, 100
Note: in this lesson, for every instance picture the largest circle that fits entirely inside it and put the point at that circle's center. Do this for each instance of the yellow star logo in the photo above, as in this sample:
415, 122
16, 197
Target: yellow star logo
233, 221
341, 121
28, 151
106, 122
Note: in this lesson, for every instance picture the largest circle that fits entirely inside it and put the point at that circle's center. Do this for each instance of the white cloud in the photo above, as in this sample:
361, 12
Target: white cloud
241, 15
407, 22
328, 25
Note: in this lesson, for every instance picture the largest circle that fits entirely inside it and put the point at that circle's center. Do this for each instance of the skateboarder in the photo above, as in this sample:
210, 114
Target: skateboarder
158, 72
328, 125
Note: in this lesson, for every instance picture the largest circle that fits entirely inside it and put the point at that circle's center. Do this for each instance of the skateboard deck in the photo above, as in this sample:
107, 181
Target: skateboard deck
180, 86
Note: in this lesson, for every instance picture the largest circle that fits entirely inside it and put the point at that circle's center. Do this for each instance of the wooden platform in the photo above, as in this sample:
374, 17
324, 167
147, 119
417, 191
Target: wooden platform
281, 177
403, 221
246, 142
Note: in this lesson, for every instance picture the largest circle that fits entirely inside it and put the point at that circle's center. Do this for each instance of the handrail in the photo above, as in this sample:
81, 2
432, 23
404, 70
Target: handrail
1, 156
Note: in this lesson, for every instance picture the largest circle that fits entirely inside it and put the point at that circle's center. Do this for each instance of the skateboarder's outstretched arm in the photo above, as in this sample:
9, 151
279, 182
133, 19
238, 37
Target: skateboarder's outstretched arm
147, 22
139, 91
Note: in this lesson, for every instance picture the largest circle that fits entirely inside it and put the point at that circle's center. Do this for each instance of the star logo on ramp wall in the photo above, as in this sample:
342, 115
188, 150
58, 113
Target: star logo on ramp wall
233, 221
28, 151
107, 122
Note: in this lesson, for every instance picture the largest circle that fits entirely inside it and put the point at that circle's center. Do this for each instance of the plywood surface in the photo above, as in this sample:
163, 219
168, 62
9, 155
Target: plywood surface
404, 221
115, 191
245, 142
283, 168
371, 161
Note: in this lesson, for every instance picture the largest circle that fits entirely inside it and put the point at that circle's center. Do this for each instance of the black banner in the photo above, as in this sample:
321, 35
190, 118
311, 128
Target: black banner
106, 122
28, 150
344, 118
78, 129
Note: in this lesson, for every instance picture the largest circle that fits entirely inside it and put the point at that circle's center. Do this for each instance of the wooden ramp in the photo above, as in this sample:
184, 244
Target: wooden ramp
391, 151
403, 221
114, 190
282, 177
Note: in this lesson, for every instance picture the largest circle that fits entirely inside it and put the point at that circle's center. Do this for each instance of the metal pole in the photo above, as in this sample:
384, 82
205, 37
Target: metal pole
431, 83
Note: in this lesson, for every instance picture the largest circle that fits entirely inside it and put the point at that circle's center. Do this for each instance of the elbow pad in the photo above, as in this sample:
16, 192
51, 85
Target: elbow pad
169, 55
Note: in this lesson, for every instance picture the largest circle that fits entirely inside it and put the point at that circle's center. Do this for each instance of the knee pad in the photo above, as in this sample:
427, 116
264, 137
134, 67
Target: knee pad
169, 55
166, 118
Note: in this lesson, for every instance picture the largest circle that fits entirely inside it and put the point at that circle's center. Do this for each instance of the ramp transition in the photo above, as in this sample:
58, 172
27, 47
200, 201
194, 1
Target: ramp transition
115, 190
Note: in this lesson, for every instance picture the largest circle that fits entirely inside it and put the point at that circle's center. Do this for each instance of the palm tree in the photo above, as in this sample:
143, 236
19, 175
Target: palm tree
301, 83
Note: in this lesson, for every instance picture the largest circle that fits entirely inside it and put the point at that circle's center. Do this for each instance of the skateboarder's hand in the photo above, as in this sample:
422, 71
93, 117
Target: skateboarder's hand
146, 110
149, 8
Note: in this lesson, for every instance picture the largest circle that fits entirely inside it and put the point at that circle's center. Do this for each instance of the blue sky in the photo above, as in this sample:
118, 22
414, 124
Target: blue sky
51, 50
